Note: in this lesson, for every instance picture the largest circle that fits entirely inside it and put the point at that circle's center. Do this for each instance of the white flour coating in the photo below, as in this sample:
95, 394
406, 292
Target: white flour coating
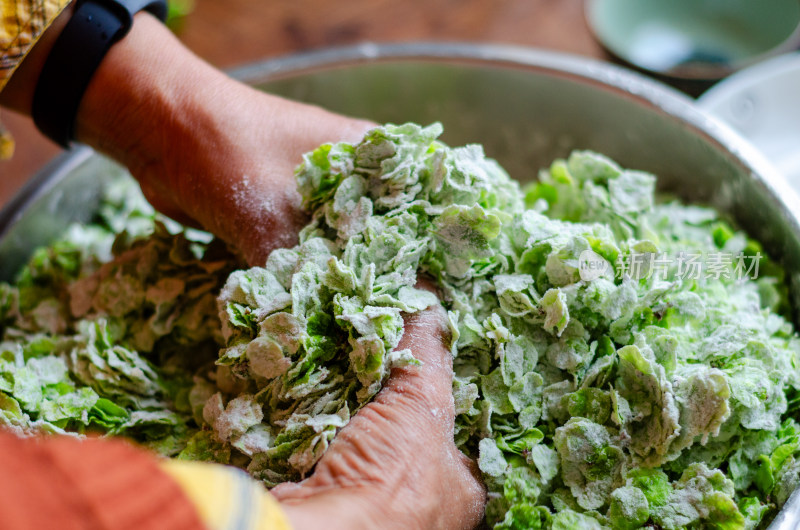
588, 402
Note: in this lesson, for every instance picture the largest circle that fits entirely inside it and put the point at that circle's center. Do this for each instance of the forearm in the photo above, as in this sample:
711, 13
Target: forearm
179, 125
147, 87
207, 150
148, 69
204, 147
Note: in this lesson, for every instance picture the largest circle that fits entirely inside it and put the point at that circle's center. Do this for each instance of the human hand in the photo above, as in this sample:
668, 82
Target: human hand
210, 151
206, 149
395, 464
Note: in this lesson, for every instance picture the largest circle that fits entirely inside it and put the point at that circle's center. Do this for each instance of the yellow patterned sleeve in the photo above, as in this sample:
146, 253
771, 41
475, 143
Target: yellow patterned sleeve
22, 22
225, 497
21, 25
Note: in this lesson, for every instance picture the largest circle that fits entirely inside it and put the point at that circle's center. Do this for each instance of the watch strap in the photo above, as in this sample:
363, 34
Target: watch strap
86, 38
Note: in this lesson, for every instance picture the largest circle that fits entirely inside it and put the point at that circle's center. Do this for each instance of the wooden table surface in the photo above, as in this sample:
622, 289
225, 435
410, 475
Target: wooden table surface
229, 33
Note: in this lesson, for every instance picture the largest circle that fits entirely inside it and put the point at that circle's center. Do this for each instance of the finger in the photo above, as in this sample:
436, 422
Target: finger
290, 491
427, 334
428, 386
474, 501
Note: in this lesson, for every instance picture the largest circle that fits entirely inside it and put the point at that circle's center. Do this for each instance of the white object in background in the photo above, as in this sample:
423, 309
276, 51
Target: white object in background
695, 39
762, 102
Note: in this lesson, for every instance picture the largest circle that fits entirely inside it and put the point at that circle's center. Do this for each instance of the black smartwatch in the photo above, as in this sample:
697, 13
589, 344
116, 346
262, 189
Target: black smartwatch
94, 27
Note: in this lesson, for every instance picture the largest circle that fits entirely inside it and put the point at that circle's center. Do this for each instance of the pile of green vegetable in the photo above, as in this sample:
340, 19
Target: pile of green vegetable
616, 400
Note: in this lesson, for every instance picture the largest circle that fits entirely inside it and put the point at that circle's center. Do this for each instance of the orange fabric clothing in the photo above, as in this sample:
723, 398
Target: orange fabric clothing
70, 484
65, 483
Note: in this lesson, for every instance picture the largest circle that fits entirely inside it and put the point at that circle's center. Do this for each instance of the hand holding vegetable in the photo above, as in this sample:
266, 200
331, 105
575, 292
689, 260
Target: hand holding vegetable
206, 149
212, 152
395, 464
222, 155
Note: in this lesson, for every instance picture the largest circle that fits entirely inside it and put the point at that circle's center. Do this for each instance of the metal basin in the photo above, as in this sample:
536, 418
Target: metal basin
526, 107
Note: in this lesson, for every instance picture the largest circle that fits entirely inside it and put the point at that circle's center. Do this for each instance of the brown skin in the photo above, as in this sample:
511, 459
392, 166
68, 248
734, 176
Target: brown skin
395, 464
212, 152
206, 149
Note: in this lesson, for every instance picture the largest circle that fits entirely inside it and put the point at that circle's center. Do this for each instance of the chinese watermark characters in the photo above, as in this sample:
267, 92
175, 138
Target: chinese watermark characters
663, 266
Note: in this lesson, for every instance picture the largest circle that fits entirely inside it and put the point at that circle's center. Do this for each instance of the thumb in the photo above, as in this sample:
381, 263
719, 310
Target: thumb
291, 490
429, 386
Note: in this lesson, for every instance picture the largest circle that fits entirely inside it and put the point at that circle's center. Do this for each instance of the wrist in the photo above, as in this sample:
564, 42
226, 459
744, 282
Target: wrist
163, 113
138, 89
